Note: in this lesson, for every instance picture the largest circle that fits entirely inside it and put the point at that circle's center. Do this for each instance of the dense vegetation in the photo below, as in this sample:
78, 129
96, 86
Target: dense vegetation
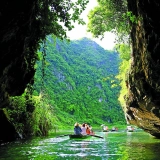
80, 81
125, 54
113, 16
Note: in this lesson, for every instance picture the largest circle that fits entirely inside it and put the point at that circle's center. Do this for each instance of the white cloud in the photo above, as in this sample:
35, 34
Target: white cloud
80, 31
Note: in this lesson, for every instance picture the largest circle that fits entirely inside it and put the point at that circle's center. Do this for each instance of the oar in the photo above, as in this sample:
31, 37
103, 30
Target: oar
95, 136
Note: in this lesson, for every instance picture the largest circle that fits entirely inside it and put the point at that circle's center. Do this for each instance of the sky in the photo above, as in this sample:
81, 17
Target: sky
80, 31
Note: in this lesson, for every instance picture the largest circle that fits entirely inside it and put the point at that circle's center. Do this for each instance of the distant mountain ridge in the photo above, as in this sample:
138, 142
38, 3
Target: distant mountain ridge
80, 79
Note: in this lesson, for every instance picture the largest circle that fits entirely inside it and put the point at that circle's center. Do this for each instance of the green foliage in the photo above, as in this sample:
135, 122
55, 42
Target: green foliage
124, 51
43, 116
74, 80
111, 16
17, 112
132, 17
31, 115
56, 17
125, 55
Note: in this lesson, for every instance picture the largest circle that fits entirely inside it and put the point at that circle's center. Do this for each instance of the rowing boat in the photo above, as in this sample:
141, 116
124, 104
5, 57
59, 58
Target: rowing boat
73, 136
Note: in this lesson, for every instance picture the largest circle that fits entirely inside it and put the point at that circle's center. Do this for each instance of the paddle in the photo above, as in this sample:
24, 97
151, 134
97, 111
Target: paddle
95, 136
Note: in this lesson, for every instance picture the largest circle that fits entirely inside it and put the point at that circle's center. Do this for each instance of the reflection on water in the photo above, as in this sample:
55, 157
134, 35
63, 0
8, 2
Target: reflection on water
114, 146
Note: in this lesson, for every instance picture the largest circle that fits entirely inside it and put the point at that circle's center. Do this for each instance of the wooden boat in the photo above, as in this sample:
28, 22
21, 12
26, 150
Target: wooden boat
74, 136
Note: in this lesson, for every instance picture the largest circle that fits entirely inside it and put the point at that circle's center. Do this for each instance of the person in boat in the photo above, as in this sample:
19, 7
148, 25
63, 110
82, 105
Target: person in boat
83, 128
77, 129
130, 128
105, 128
114, 129
91, 130
88, 131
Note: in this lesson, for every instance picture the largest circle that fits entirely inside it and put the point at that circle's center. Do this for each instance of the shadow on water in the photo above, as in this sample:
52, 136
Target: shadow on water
114, 146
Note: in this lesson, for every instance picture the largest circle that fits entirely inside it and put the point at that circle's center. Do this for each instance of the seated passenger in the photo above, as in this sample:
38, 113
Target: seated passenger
88, 131
105, 128
77, 129
113, 129
83, 129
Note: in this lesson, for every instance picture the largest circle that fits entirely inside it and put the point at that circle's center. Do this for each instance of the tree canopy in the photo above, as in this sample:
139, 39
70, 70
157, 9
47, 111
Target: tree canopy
111, 16
56, 17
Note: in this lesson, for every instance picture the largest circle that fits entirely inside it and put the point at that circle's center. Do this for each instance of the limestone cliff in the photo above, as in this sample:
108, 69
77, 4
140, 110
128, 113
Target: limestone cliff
19, 37
143, 100
19, 40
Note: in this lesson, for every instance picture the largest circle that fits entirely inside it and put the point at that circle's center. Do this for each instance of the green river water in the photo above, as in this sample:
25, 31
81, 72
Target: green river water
115, 146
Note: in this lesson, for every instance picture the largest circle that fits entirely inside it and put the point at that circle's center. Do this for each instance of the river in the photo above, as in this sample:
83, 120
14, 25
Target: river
115, 146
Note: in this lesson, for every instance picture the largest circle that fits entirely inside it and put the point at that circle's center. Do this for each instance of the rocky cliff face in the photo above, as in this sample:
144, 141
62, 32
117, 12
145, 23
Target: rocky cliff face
19, 39
143, 100
18, 45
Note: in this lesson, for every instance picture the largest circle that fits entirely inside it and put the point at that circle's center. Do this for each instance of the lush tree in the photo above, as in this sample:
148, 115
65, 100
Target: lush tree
109, 15
56, 17
125, 55
31, 115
